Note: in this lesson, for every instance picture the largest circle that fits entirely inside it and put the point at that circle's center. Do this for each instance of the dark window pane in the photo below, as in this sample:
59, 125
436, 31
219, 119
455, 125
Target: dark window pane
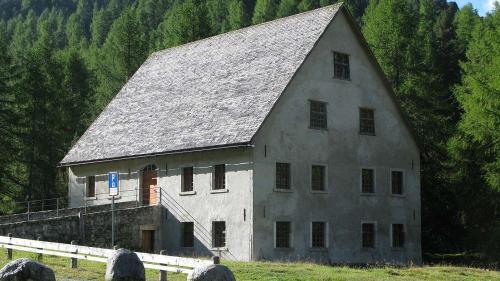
283, 234
397, 182
318, 177
220, 176
398, 235
318, 234
318, 117
366, 121
368, 233
187, 234
282, 175
367, 181
187, 184
219, 234
91, 186
341, 66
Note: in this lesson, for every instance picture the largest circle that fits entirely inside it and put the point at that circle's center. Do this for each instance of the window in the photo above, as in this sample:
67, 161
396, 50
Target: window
187, 234
341, 66
219, 234
367, 181
366, 121
398, 236
318, 234
283, 230
318, 178
397, 182
368, 233
187, 179
318, 115
219, 177
90, 192
282, 175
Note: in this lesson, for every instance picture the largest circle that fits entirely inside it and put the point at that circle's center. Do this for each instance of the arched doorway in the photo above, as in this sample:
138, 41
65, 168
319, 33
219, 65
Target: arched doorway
149, 189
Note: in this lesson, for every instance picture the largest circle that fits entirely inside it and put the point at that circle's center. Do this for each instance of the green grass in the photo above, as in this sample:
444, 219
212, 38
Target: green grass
267, 271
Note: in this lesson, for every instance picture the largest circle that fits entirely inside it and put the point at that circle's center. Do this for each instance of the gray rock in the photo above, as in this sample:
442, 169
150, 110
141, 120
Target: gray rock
26, 270
124, 265
213, 272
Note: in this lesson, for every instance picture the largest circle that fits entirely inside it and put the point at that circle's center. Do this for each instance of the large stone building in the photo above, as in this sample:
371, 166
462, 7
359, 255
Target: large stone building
278, 141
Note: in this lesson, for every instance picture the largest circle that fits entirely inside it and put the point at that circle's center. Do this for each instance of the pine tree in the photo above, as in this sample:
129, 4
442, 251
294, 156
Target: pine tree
236, 15
307, 5
264, 11
183, 23
122, 53
479, 94
217, 16
287, 8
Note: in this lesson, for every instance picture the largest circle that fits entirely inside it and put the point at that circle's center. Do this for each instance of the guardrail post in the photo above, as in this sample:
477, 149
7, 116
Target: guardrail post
9, 251
57, 207
216, 259
29, 205
74, 261
39, 256
163, 273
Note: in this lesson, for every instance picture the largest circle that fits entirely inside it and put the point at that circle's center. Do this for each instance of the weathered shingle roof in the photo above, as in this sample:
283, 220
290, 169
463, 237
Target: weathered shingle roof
208, 93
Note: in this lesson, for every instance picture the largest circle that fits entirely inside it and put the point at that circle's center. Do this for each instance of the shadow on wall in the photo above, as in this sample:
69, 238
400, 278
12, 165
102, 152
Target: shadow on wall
202, 236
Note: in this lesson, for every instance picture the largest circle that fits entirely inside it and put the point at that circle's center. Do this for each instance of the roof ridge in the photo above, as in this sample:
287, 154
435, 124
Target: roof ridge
333, 7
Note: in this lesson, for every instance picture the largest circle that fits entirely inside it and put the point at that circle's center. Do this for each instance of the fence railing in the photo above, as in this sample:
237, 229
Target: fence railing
163, 263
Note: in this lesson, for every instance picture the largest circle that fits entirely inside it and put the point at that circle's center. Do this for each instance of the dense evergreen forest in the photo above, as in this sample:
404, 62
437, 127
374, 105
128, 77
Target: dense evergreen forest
62, 61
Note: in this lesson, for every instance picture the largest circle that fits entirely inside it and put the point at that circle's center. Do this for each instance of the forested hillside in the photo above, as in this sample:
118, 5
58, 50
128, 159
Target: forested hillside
62, 61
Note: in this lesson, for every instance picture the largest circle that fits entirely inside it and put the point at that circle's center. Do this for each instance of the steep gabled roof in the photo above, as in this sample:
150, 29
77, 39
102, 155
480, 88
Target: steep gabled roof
210, 93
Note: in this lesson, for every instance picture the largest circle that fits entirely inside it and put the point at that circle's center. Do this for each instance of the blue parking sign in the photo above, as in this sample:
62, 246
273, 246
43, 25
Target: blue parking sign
113, 183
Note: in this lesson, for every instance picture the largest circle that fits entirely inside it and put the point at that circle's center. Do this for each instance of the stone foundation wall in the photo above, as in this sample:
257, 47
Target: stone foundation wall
92, 229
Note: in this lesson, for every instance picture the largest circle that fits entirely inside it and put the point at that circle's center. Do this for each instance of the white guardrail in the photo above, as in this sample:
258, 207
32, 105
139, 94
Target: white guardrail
163, 263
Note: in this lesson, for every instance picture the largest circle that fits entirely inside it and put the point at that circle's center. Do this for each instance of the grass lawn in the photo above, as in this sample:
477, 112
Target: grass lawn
266, 271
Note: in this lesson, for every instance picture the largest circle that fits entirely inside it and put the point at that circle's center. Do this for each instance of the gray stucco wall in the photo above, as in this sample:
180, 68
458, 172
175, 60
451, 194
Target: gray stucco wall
286, 137
202, 206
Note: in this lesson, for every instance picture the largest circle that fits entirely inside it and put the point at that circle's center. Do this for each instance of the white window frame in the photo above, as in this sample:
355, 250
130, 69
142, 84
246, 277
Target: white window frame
392, 233
290, 234
212, 179
95, 187
327, 234
375, 240
403, 187
291, 189
325, 179
361, 180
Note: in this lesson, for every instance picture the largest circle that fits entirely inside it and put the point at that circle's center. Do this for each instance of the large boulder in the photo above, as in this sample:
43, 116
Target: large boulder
26, 270
213, 272
124, 265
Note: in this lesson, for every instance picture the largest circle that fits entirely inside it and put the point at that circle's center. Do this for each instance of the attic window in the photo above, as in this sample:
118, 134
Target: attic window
341, 66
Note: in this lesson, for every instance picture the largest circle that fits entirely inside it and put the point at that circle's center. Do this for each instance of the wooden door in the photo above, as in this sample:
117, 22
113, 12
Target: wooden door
148, 241
149, 187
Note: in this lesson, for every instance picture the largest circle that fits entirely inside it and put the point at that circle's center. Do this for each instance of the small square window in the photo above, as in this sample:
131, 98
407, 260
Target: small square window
341, 66
187, 179
318, 178
397, 182
366, 121
283, 176
283, 231
90, 192
318, 234
187, 234
318, 117
367, 181
219, 177
219, 234
398, 236
368, 233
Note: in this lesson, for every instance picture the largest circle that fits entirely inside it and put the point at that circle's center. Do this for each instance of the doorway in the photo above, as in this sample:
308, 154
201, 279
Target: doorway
149, 181
148, 241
